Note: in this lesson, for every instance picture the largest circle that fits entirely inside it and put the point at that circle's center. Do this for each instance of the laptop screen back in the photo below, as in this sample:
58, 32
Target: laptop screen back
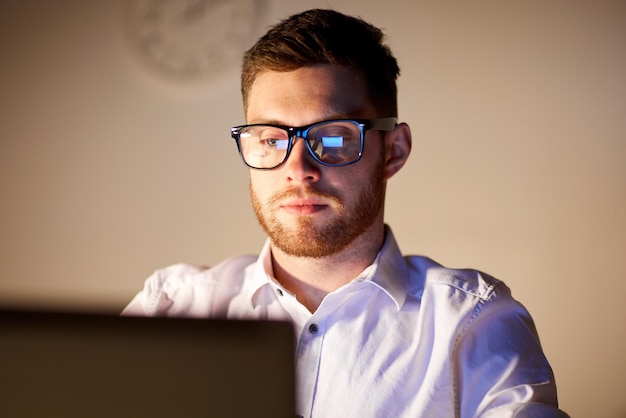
78, 365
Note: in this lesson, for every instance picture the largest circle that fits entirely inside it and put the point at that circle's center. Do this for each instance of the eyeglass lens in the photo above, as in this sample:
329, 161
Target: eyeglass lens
334, 143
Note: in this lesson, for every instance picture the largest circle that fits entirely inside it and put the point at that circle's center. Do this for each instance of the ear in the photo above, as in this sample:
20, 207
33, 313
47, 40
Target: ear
397, 149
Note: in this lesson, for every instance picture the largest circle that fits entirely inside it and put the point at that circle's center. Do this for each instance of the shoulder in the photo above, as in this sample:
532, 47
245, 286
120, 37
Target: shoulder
467, 283
465, 300
178, 275
471, 303
189, 290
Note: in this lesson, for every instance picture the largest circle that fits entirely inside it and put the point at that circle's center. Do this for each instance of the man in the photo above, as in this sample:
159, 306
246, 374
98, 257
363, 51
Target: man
379, 334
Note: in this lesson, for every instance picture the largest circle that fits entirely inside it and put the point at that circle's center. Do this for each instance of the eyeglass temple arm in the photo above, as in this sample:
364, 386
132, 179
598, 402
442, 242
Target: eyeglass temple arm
384, 124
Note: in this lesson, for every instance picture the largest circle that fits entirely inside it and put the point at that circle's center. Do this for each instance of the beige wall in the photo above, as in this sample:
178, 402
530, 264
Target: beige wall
108, 171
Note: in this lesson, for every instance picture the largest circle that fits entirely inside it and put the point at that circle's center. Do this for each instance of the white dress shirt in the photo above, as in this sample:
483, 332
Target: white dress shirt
406, 338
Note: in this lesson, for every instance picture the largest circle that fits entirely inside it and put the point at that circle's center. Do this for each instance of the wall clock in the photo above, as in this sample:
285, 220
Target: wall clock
191, 39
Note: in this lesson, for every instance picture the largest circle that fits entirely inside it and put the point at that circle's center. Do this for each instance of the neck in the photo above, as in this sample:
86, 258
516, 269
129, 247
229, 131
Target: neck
311, 279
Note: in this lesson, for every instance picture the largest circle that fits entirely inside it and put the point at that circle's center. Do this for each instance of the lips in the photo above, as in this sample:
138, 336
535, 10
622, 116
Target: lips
304, 206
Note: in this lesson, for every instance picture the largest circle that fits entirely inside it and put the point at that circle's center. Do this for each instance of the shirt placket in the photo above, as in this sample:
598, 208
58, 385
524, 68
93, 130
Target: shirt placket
308, 355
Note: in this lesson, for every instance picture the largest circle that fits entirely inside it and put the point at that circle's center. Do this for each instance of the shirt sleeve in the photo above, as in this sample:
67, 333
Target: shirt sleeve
502, 369
184, 290
150, 300
163, 288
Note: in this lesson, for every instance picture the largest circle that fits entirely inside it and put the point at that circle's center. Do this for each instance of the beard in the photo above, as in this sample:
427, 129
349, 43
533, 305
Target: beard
307, 239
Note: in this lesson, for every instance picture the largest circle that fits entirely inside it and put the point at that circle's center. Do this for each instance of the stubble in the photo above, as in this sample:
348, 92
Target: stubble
308, 239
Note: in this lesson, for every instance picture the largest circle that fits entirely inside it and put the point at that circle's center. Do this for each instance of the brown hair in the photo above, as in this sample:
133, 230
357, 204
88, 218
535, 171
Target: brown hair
322, 36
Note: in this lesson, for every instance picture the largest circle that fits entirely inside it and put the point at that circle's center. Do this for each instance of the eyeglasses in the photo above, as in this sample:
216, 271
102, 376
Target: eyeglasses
332, 143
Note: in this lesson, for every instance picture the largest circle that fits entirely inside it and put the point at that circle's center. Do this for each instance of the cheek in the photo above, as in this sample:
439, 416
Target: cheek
260, 185
371, 164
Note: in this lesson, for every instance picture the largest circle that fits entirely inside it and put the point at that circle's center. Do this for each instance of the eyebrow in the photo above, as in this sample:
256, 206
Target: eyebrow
327, 117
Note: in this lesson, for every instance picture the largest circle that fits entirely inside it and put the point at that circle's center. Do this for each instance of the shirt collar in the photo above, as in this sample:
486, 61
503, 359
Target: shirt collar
262, 274
388, 272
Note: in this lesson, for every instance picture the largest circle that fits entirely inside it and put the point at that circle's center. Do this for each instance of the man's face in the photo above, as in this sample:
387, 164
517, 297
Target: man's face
307, 209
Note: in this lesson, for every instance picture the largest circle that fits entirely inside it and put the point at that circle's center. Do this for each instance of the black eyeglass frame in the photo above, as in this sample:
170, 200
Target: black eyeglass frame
379, 124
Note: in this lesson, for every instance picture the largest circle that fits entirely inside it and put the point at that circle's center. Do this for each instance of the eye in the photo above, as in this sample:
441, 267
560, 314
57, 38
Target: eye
270, 141
276, 143
348, 131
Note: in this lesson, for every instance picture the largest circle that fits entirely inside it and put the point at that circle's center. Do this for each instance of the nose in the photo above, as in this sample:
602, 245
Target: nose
300, 166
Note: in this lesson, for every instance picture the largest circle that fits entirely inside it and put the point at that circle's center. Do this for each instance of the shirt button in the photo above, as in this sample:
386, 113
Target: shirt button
313, 328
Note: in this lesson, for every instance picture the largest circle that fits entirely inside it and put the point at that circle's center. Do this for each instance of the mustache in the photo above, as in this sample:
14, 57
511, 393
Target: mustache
304, 192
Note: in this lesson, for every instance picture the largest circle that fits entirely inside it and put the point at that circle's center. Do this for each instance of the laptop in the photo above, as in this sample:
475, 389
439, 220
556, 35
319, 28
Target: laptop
69, 365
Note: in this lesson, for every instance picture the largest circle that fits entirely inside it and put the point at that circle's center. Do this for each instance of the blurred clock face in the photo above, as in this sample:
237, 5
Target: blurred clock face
191, 39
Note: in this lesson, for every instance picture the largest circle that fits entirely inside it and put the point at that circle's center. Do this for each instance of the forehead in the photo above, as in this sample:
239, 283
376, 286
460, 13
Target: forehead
307, 95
